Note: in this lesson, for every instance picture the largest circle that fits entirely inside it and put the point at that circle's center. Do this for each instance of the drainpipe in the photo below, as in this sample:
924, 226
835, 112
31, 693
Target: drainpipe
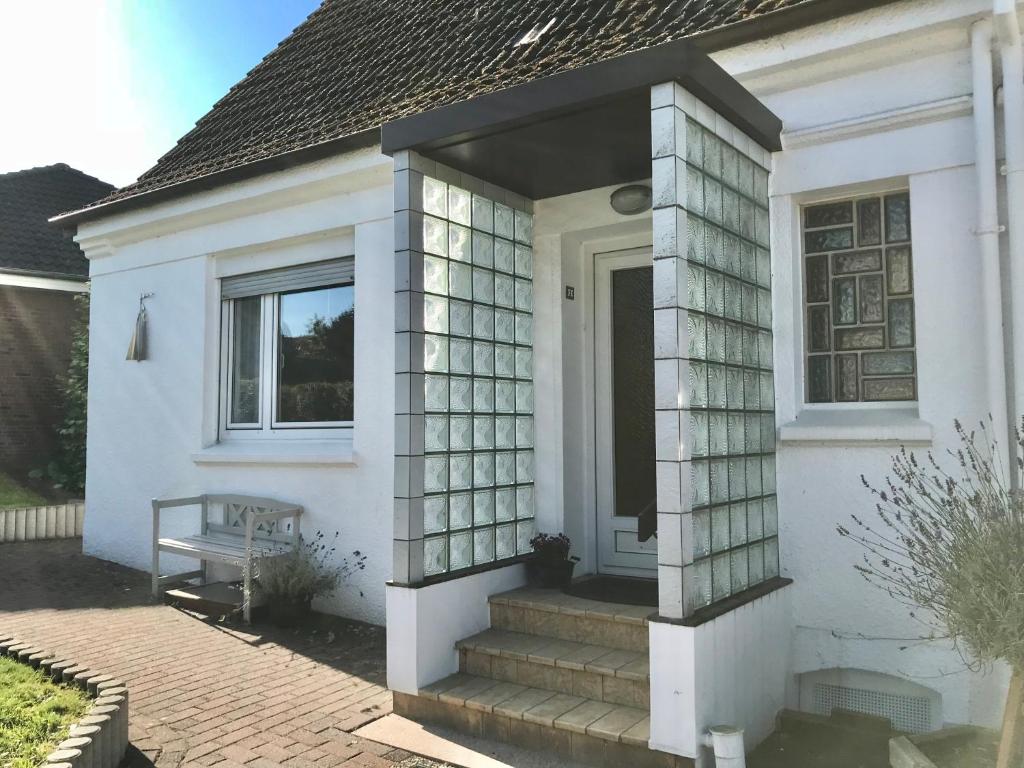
1004, 19
988, 229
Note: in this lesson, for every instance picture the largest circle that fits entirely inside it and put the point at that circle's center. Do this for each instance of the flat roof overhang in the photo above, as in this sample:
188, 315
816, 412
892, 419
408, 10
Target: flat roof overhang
580, 129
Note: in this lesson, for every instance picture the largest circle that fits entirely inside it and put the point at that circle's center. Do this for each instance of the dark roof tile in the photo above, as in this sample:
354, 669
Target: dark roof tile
355, 64
28, 242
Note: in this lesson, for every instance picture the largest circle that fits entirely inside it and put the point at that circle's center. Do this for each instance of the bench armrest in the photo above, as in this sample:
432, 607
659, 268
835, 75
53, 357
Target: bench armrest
188, 501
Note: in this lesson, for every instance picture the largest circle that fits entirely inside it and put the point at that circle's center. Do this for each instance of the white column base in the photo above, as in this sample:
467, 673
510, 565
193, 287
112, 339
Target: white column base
423, 624
731, 670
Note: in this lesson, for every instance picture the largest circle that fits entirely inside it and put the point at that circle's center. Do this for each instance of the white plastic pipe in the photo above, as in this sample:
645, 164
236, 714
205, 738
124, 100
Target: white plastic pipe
727, 743
1004, 18
988, 228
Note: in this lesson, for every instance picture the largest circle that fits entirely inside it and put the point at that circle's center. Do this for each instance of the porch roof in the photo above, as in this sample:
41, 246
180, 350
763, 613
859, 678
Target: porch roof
584, 128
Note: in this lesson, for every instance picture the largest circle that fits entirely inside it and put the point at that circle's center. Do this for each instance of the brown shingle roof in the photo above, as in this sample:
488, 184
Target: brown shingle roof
28, 243
355, 64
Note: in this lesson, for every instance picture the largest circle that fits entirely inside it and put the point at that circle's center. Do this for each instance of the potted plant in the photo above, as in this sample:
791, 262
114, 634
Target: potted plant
552, 567
948, 543
288, 583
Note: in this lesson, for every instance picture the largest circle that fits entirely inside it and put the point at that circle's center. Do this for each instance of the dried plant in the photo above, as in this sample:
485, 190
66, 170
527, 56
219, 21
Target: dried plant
949, 539
307, 572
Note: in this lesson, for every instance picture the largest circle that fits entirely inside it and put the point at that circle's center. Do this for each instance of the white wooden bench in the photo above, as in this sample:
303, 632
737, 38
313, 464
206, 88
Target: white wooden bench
250, 528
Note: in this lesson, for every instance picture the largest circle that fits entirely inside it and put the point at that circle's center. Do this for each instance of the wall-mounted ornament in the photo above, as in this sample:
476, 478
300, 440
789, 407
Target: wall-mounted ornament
137, 346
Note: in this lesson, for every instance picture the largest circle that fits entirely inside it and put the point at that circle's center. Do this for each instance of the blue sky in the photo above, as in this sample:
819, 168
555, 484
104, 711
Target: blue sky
108, 86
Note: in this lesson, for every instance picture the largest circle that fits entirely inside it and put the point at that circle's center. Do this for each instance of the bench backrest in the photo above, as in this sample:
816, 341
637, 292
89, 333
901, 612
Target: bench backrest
236, 511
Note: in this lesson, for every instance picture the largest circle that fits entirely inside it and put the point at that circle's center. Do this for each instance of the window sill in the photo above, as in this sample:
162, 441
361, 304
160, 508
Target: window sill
857, 426
279, 452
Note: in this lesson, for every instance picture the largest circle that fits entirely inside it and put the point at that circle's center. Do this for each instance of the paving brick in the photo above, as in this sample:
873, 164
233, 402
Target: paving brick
201, 693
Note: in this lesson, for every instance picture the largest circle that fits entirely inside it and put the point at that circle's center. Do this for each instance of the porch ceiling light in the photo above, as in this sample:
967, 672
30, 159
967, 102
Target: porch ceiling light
631, 199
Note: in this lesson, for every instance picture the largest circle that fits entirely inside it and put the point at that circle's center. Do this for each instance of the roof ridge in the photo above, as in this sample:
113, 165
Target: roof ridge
54, 167
354, 65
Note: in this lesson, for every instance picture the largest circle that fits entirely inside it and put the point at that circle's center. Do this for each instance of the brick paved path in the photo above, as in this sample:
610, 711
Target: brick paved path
202, 693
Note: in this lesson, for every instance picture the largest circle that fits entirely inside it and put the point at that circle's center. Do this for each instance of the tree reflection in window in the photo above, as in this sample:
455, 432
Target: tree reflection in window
315, 383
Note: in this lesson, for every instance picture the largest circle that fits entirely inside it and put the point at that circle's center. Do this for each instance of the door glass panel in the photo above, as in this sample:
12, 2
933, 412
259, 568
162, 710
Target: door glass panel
633, 389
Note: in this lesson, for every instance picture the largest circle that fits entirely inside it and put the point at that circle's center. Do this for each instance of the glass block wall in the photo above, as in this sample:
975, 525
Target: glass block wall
478, 432
716, 386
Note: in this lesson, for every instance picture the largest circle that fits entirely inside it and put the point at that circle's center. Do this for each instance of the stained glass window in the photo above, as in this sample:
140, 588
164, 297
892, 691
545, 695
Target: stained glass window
859, 300
731, 399
478, 504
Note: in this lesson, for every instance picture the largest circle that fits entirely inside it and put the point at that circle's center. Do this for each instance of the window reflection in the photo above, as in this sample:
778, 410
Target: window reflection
315, 355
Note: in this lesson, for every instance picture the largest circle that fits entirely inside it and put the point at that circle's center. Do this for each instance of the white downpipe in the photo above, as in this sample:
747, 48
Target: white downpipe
988, 228
1004, 16
727, 743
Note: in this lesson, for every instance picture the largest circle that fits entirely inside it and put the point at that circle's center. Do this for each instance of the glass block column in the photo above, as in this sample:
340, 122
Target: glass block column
715, 425
465, 281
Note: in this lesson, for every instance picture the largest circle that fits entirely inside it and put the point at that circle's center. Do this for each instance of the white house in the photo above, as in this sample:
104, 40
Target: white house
827, 273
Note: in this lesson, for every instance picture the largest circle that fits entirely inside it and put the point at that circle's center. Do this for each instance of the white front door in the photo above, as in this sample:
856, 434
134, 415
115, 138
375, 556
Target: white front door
624, 381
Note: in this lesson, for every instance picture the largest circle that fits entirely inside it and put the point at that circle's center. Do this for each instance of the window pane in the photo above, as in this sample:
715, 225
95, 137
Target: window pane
315, 355
245, 361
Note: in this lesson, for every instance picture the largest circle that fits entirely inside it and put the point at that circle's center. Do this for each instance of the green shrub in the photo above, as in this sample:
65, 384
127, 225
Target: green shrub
66, 469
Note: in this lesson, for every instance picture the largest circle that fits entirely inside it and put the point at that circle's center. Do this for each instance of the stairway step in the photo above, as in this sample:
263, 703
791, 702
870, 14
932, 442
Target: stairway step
578, 682
550, 613
608, 722
611, 662
590, 733
556, 601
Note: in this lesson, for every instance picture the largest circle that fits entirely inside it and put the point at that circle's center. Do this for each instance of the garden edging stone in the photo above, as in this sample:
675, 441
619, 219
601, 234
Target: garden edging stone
100, 738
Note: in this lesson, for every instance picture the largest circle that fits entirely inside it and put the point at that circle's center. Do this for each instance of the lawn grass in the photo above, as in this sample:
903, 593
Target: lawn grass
35, 714
13, 495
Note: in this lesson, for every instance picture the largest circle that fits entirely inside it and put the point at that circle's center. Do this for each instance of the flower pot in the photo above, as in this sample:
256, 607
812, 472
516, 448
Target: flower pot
550, 573
286, 614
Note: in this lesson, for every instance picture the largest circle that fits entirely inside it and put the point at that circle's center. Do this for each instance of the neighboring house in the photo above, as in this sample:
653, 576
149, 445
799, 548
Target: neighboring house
41, 270
388, 284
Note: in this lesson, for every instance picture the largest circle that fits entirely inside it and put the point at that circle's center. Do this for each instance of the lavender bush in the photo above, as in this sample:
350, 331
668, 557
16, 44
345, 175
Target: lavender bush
307, 572
948, 538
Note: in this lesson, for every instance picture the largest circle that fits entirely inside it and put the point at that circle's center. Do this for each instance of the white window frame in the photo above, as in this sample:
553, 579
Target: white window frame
227, 352
268, 427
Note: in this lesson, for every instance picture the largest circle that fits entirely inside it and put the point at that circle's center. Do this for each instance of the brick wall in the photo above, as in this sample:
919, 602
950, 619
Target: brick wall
35, 345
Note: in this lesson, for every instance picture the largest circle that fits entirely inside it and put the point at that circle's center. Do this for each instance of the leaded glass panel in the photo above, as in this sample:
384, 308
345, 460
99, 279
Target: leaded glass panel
478, 392
859, 295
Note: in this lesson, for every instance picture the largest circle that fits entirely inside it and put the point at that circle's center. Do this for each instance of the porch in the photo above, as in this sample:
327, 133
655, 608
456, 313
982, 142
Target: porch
565, 366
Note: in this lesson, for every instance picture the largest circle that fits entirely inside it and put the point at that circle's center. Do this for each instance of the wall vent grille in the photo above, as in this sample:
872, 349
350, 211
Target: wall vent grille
912, 714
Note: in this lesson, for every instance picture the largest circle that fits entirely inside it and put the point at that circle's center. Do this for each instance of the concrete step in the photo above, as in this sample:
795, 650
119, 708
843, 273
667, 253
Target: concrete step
573, 727
214, 599
600, 673
550, 613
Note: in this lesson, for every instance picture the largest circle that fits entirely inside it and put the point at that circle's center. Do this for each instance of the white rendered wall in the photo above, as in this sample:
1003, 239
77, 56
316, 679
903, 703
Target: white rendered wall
881, 101
425, 623
568, 231
150, 421
713, 674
